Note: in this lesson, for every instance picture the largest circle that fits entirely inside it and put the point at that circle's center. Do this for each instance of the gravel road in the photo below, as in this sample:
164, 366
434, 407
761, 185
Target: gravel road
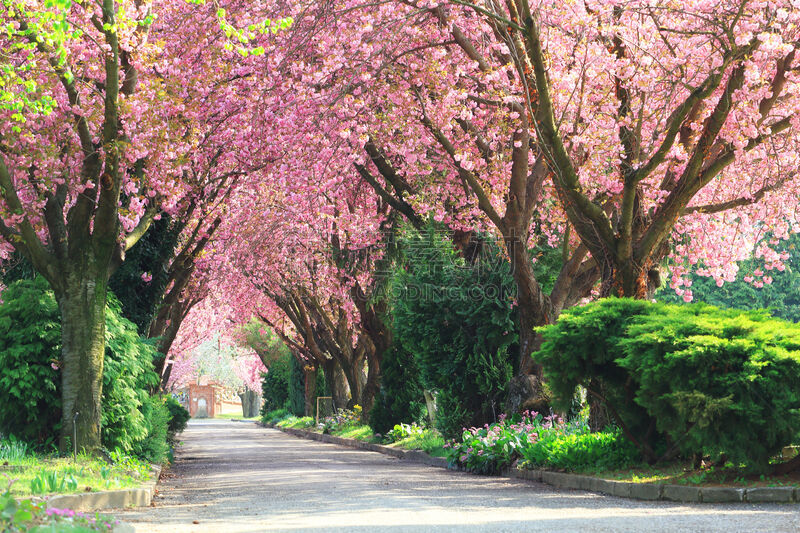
238, 477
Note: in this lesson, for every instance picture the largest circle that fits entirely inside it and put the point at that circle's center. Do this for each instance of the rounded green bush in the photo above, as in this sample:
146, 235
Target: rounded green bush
683, 379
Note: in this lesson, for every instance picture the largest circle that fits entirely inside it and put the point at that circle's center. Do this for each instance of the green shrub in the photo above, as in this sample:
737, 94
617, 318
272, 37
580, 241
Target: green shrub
578, 451
456, 318
403, 431
718, 382
178, 417
275, 384
297, 391
343, 418
582, 349
30, 353
128, 375
275, 416
451, 415
539, 441
154, 447
683, 379
30, 339
400, 399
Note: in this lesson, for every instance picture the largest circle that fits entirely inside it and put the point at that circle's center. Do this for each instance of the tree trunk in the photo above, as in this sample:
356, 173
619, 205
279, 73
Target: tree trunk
532, 306
82, 305
371, 387
310, 379
337, 384
251, 402
351, 373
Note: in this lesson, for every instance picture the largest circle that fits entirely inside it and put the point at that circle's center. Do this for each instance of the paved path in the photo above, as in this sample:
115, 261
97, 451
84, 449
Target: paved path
238, 477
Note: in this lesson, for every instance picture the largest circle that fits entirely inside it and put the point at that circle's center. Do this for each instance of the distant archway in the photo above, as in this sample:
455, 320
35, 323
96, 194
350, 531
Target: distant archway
202, 408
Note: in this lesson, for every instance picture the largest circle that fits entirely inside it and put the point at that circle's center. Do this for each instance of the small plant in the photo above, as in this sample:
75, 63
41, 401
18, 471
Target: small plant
49, 481
26, 516
538, 441
404, 431
342, 419
274, 416
13, 450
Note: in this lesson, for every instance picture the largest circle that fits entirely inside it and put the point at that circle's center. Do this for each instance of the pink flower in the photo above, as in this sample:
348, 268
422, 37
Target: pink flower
147, 277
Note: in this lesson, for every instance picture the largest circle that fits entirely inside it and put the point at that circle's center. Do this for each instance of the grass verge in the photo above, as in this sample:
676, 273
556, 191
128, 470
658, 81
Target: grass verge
430, 441
31, 474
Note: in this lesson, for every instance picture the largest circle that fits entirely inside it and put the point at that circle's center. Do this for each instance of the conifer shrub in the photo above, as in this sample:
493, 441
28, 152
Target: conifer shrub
683, 379
400, 399
455, 316
275, 384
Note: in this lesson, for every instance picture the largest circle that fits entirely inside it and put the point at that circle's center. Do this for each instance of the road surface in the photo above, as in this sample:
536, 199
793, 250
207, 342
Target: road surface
237, 477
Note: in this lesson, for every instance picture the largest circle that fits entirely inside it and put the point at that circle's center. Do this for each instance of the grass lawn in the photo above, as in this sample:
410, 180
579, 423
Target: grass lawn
236, 416
38, 476
430, 441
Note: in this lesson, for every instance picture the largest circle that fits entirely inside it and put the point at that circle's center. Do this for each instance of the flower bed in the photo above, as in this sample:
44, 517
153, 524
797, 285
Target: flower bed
29, 516
538, 442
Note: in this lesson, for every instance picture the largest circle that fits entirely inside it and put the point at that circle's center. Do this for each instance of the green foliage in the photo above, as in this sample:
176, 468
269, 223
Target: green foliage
451, 415
570, 359
178, 416
16, 516
30, 338
693, 378
50, 481
13, 449
297, 390
23, 516
127, 376
275, 384
30, 352
342, 419
781, 297
538, 442
403, 431
275, 416
400, 399
297, 422
580, 451
151, 255
457, 320
154, 446
718, 381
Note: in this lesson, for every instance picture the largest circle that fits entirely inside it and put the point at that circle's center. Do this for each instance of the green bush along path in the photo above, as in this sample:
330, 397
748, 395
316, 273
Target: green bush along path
233, 476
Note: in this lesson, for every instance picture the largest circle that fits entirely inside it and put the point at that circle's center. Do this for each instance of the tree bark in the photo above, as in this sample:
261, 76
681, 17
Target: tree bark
371, 387
310, 382
82, 305
251, 401
337, 383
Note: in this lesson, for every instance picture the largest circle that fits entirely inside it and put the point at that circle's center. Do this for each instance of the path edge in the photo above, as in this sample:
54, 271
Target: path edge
109, 499
563, 480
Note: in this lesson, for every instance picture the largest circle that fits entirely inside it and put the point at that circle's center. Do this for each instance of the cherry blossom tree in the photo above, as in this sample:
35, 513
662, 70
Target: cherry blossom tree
79, 180
622, 132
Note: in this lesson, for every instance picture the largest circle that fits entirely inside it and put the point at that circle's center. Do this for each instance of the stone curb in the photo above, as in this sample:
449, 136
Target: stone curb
108, 499
561, 480
416, 456
657, 491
